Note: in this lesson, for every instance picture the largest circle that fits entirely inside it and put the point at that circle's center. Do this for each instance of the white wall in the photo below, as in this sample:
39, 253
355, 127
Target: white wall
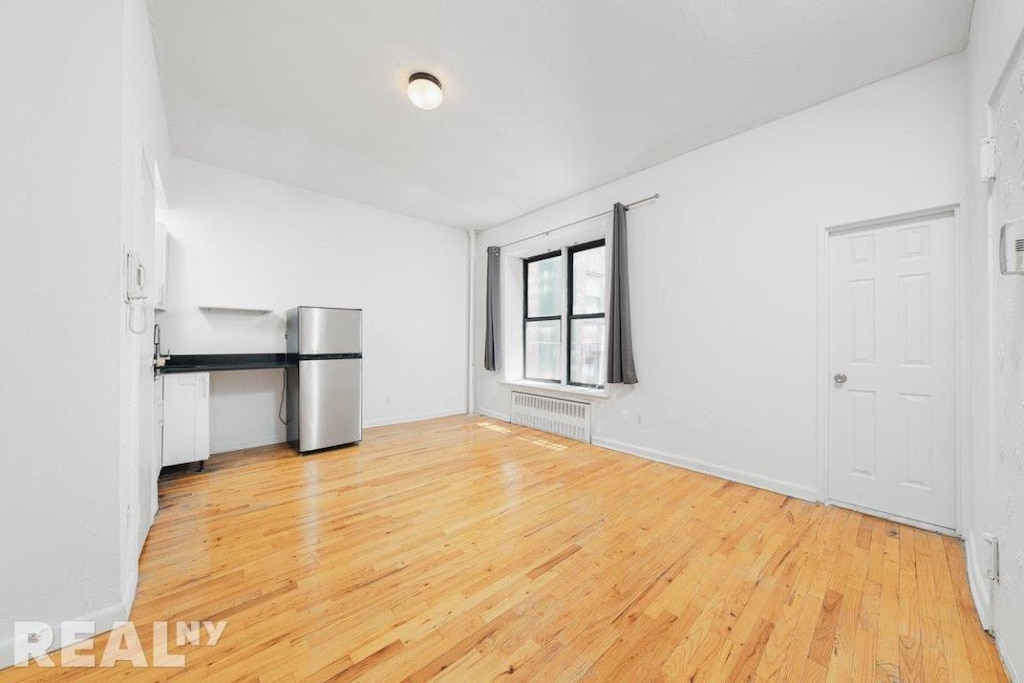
996, 27
723, 271
240, 241
71, 403
146, 119
59, 278
144, 147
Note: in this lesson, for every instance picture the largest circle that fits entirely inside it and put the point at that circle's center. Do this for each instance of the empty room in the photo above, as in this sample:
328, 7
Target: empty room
551, 340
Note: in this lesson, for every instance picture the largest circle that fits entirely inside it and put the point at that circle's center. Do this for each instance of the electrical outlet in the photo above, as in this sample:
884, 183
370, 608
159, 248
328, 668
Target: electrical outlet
44, 634
992, 573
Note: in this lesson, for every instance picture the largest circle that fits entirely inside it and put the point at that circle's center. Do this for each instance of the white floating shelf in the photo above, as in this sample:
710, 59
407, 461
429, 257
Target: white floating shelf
236, 309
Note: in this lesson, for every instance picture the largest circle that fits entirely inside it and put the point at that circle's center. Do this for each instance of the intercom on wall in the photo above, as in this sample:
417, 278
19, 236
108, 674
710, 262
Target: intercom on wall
135, 277
135, 291
1011, 248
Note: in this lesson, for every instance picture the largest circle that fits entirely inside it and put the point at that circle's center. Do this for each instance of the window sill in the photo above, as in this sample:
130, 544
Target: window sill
558, 390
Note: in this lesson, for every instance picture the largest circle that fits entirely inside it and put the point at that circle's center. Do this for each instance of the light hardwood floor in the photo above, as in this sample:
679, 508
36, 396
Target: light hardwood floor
466, 549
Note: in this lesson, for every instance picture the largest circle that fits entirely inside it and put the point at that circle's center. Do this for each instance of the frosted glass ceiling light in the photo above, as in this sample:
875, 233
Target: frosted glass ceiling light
425, 90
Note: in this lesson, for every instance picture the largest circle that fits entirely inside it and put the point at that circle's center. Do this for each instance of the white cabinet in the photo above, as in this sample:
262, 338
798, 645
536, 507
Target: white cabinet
160, 268
186, 417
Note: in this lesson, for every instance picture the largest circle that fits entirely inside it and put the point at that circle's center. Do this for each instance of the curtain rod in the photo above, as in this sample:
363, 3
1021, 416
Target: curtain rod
582, 220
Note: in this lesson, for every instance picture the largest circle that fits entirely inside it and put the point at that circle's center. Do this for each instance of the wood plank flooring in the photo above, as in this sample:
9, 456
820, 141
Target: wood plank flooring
466, 549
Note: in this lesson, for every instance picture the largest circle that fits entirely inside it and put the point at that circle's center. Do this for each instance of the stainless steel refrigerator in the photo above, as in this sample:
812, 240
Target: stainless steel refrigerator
325, 377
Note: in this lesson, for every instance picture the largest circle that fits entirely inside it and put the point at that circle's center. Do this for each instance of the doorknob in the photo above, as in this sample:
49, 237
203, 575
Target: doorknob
839, 378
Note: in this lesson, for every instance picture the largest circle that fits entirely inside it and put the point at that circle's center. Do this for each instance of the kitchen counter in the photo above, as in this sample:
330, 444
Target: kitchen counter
216, 362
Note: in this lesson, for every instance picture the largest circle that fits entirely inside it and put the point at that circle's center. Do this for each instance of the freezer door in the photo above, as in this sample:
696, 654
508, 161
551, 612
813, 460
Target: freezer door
330, 403
329, 330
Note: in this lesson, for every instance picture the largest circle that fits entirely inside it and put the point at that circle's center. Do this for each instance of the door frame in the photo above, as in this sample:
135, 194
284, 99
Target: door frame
961, 357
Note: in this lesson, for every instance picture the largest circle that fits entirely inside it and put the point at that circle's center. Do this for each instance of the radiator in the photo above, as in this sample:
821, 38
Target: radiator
570, 419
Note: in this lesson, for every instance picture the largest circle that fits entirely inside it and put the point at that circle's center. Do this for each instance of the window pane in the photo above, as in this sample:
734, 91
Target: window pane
588, 281
544, 349
585, 354
544, 287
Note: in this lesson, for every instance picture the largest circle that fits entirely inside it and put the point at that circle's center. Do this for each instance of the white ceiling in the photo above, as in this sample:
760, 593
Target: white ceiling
543, 98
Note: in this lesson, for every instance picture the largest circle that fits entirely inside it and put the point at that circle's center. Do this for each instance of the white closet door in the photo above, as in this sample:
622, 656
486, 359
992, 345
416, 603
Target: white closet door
891, 409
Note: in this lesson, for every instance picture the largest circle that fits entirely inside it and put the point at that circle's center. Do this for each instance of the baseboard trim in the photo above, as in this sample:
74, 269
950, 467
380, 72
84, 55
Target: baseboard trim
413, 418
979, 584
131, 590
279, 439
241, 445
1011, 671
786, 488
103, 618
981, 594
493, 414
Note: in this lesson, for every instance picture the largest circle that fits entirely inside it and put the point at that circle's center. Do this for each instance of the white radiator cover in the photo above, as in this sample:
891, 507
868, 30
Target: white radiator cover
566, 418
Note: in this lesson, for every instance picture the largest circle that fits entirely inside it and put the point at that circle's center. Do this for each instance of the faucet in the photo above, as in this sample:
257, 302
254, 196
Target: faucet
159, 359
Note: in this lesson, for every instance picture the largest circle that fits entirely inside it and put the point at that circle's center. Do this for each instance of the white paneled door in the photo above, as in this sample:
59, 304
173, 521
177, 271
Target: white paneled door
891, 370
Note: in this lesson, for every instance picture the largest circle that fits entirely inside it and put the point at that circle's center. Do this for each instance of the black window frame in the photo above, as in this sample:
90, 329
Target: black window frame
571, 316
541, 318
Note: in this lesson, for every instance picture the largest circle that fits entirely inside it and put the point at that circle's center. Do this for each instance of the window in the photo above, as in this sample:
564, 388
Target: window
542, 324
564, 315
586, 313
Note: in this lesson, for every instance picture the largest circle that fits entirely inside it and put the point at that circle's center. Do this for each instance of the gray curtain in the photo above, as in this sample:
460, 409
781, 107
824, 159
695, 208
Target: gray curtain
620, 330
492, 340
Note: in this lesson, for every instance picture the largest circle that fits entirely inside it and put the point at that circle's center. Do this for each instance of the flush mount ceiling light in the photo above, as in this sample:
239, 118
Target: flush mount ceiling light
425, 90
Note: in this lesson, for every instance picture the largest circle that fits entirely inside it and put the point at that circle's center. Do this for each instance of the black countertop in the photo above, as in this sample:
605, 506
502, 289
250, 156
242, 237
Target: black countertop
215, 362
